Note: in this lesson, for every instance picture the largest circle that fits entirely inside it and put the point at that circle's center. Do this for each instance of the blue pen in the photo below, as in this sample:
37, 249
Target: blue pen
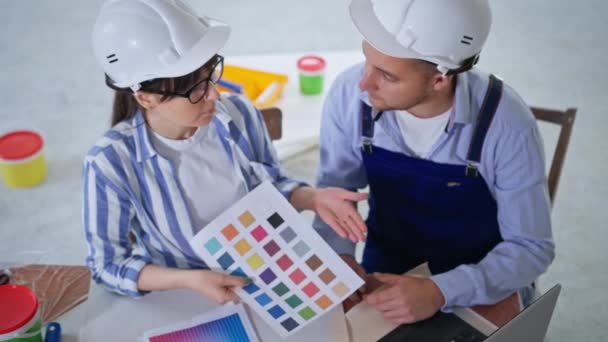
53, 332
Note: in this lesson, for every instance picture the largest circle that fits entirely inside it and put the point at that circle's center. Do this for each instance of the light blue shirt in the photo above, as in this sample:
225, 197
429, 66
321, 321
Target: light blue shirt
512, 164
129, 187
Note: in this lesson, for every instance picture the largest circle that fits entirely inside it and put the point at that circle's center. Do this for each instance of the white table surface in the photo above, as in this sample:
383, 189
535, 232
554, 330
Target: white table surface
109, 317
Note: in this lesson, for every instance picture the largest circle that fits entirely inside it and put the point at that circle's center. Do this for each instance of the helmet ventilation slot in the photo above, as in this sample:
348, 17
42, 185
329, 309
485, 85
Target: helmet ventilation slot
466, 40
112, 58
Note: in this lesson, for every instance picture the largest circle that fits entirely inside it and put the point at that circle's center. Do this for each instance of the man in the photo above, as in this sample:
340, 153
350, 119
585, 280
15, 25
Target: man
452, 156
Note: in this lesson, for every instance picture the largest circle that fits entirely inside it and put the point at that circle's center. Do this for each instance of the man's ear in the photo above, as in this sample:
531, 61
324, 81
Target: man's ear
440, 81
147, 101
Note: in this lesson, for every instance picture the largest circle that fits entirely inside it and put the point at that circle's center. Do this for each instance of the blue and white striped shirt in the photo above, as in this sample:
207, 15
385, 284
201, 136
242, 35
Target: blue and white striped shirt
129, 187
512, 164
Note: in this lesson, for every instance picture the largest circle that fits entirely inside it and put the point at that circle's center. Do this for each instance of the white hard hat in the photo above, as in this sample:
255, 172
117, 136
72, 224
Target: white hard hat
445, 32
140, 40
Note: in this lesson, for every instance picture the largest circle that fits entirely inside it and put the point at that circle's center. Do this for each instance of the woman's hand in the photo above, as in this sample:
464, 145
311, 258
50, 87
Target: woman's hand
214, 285
335, 206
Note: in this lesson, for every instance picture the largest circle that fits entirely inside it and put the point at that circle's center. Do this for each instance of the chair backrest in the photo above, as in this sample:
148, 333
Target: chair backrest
566, 120
273, 117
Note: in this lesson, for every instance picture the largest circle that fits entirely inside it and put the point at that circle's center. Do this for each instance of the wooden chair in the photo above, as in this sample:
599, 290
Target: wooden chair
273, 117
566, 120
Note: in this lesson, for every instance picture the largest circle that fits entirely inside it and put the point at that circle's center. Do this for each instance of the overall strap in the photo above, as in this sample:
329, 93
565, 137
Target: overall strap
484, 119
367, 125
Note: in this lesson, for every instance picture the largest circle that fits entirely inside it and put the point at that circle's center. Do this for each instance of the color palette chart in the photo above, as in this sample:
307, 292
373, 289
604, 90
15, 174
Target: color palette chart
296, 276
225, 324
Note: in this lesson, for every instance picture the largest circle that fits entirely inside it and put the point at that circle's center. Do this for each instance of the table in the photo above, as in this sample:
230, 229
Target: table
109, 317
106, 316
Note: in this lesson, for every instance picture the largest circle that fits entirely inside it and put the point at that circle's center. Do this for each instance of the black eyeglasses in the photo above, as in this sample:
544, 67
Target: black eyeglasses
200, 89
197, 92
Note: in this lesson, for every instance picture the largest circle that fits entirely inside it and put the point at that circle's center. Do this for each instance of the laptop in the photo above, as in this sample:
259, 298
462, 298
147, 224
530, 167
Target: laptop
530, 325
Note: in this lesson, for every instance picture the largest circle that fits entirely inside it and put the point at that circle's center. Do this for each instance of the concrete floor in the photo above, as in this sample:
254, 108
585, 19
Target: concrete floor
553, 52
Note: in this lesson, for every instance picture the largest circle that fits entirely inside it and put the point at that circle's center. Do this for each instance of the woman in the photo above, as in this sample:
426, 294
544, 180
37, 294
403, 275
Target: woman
178, 154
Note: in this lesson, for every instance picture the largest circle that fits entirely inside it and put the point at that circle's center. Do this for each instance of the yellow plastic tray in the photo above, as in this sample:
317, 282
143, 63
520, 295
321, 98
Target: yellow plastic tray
263, 88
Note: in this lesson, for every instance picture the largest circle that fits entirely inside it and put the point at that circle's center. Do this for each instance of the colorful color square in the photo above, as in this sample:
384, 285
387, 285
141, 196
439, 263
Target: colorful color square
259, 233
301, 248
289, 324
284, 262
324, 302
297, 276
314, 262
268, 276
275, 220
225, 261
251, 288
213, 246
288, 234
327, 276
263, 299
239, 272
276, 311
340, 289
280, 289
293, 301
230, 232
311, 289
307, 313
242, 247
272, 248
246, 219
255, 261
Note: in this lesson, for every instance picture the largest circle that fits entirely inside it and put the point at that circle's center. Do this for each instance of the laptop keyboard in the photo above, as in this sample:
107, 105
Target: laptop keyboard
469, 336
442, 327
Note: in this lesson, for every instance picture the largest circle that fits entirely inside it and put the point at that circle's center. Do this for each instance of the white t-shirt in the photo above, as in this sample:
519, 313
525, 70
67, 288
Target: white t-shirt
209, 181
420, 134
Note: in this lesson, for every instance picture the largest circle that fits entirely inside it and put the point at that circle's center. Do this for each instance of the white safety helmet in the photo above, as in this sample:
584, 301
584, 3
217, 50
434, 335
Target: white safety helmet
449, 33
140, 40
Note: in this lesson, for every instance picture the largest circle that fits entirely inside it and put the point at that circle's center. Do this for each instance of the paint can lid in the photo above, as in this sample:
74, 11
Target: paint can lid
19, 306
19, 145
311, 63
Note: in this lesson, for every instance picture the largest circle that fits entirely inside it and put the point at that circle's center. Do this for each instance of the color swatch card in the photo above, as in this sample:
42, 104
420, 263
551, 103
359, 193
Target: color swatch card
296, 276
227, 323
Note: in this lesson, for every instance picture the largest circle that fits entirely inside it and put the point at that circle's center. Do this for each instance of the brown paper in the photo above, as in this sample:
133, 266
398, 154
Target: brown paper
59, 288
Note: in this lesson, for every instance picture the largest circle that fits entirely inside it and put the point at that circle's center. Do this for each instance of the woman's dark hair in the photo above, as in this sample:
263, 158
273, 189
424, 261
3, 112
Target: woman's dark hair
125, 106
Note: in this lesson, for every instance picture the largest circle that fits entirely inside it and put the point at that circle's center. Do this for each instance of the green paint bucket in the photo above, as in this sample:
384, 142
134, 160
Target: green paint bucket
19, 315
311, 70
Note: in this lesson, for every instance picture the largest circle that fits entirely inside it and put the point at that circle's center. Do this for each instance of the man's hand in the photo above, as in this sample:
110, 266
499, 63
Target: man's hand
407, 299
336, 207
357, 296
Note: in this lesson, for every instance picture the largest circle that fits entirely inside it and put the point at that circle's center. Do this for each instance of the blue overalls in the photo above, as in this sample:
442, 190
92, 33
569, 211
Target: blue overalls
421, 211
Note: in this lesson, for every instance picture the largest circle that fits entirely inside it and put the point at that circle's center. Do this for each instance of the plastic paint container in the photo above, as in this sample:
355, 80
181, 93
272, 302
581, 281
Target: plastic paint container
20, 315
311, 70
22, 162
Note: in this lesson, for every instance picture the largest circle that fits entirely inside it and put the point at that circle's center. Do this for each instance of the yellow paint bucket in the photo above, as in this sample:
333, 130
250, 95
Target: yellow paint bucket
21, 159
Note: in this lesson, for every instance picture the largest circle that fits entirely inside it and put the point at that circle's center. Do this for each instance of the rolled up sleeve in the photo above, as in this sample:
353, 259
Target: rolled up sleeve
107, 212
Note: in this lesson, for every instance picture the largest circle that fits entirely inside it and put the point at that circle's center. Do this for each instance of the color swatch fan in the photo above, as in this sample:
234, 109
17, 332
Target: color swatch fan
297, 276
227, 323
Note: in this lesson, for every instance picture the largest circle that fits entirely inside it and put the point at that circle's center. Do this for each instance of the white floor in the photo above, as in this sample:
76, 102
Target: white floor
552, 52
